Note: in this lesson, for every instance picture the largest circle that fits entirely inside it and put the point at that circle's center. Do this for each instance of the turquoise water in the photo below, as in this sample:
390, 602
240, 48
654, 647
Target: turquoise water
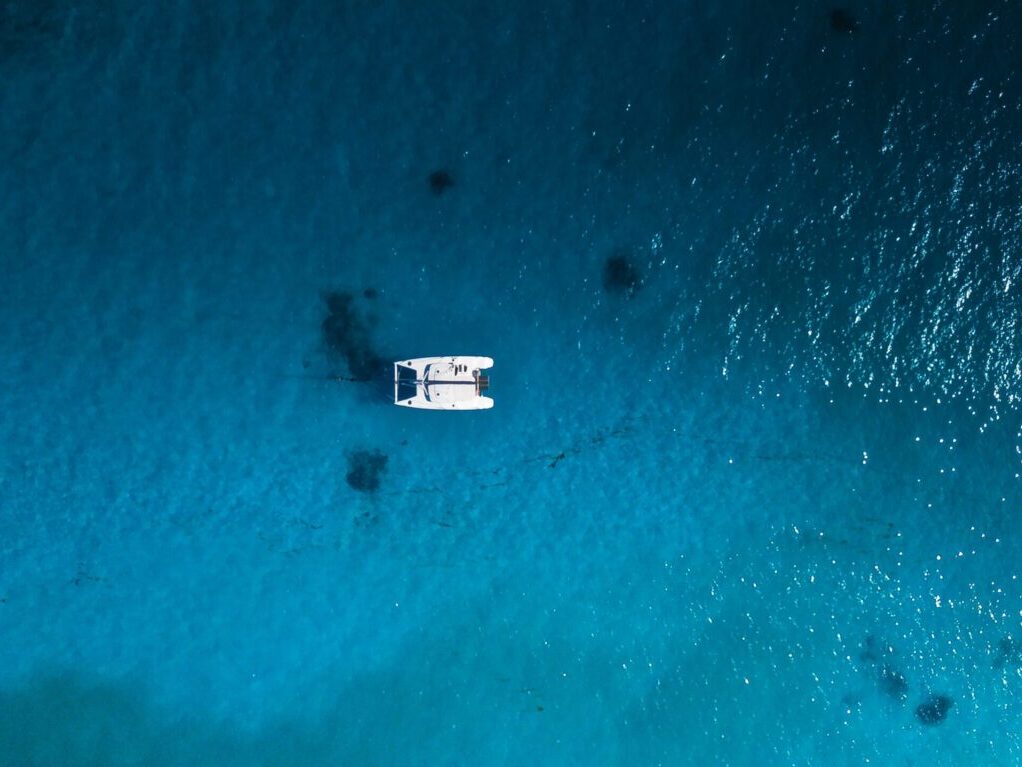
749, 495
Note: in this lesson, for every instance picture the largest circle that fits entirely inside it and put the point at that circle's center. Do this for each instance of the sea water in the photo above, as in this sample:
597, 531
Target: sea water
749, 493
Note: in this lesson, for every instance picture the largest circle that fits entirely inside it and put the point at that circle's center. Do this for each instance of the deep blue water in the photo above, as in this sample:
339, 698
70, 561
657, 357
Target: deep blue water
751, 276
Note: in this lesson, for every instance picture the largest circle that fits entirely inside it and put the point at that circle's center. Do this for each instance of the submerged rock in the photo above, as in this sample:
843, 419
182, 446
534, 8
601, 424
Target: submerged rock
365, 468
347, 334
620, 275
934, 709
440, 181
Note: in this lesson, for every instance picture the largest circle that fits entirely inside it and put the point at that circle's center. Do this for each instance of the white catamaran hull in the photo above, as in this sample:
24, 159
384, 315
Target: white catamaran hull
442, 383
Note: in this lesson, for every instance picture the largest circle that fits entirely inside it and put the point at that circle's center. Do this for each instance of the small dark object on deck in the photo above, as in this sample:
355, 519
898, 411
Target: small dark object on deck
370, 293
440, 181
841, 20
620, 275
364, 469
934, 709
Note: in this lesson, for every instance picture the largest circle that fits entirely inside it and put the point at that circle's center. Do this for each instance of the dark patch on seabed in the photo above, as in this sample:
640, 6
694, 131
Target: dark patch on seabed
440, 181
841, 20
934, 709
25, 26
365, 468
893, 683
1008, 653
620, 275
879, 659
346, 333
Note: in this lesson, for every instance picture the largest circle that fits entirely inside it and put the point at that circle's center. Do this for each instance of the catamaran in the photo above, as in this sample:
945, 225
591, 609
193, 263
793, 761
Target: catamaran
442, 383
